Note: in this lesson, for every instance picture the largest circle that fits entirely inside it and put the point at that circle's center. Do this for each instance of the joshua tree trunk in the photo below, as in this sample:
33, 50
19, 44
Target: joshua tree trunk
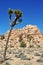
12, 24
7, 44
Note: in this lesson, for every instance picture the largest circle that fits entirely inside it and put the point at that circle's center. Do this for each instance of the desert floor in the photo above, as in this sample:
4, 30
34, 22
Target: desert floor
22, 56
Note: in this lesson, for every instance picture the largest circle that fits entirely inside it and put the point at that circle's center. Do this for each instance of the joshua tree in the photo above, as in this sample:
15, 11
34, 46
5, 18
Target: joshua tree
18, 15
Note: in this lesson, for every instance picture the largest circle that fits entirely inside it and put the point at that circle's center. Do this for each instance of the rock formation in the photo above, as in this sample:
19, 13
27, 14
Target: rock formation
29, 35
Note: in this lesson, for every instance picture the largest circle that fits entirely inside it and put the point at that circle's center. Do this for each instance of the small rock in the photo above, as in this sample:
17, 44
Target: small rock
25, 58
6, 63
36, 54
40, 60
1, 59
12, 51
31, 46
42, 55
38, 45
21, 55
28, 63
15, 52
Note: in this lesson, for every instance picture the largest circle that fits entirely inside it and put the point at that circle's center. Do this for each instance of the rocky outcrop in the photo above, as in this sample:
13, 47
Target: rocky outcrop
30, 34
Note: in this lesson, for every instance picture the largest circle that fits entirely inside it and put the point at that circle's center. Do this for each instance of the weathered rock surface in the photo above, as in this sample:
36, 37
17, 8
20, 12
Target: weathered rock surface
30, 35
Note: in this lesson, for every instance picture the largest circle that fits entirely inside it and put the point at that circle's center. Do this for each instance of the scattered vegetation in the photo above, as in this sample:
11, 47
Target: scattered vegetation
29, 37
31, 46
22, 44
2, 37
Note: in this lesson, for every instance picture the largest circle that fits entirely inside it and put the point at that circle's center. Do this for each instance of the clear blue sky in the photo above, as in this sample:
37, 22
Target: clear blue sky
32, 13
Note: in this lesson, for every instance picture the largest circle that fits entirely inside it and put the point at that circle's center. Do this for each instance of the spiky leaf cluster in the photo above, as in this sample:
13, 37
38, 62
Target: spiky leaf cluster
17, 13
10, 11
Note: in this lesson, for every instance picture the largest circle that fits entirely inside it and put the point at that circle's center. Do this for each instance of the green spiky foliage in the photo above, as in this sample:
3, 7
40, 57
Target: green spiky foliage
17, 13
10, 11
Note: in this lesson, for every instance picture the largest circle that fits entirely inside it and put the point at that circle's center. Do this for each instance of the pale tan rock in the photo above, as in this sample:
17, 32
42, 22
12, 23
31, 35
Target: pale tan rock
32, 30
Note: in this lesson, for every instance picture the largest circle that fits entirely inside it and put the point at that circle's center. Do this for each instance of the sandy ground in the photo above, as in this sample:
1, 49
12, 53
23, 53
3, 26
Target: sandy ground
22, 56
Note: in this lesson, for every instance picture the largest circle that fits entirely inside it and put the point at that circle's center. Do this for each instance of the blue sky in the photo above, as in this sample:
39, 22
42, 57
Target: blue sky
32, 13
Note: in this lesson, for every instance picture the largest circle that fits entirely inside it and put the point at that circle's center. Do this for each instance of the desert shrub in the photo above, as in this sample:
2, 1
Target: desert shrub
31, 46
29, 38
22, 44
2, 37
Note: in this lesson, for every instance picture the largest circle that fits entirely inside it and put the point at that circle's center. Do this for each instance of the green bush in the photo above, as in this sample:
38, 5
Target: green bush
22, 44
31, 46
